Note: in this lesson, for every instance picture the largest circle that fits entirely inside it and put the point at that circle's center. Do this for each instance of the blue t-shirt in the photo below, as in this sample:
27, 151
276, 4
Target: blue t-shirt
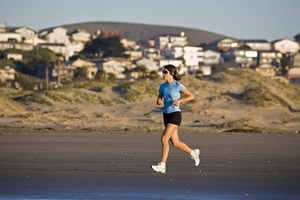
171, 92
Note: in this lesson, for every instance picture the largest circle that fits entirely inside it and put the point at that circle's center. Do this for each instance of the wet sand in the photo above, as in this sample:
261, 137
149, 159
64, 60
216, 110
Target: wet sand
116, 165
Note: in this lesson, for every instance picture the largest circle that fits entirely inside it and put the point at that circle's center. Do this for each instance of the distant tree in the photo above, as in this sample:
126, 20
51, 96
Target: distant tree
104, 47
199, 74
218, 68
101, 75
143, 71
34, 59
81, 56
153, 74
111, 76
81, 73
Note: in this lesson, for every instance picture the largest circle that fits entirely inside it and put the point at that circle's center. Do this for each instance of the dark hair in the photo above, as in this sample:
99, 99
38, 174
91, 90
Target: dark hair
173, 71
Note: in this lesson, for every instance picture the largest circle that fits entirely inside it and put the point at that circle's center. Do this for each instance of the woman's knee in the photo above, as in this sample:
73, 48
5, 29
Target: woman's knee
164, 140
176, 143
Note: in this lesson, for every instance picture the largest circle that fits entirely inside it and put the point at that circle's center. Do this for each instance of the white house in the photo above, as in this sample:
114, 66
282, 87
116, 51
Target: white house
152, 53
193, 55
266, 70
10, 36
14, 56
2, 28
90, 66
269, 57
245, 57
56, 48
162, 41
74, 47
151, 65
211, 57
112, 66
134, 54
286, 46
26, 32
7, 73
56, 35
35, 41
80, 35
293, 75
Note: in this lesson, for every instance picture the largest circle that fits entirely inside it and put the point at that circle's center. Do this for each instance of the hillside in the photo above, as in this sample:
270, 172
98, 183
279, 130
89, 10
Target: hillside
143, 32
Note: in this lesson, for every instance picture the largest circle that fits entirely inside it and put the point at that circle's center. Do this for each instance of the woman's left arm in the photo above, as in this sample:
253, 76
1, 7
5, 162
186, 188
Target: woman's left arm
188, 94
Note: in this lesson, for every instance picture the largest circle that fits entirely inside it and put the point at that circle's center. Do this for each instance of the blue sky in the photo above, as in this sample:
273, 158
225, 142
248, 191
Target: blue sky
241, 19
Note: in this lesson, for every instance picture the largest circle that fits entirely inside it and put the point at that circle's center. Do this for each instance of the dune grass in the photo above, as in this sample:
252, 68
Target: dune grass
257, 90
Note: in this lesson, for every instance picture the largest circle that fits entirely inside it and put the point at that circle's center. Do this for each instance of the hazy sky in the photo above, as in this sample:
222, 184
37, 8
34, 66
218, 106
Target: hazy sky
241, 19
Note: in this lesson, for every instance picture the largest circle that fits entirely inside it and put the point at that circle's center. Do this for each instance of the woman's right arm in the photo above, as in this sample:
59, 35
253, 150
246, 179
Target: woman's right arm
159, 99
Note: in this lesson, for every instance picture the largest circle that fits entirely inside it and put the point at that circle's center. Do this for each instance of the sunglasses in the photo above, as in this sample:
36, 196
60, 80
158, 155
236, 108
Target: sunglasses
165, 72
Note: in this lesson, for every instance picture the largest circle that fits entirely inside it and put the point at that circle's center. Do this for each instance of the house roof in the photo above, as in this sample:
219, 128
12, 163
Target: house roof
255, 41
83, 63
14, 29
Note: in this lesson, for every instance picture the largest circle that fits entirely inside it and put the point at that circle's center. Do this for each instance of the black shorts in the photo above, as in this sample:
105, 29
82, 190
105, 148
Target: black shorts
172, 118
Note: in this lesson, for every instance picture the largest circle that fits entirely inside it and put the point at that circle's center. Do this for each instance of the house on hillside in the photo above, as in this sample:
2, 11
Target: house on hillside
134, 54
125, 62
245, 56
293, 75
58, 48
151, 65
56, 35
2, 28
10, 37
211, 57
151, 53
224, 44
7, 74
129, 44
257, 45
112, 66
269, 57
266, 70
193, 56
26, 32
64, 71
286, 46
14, 56
56, 73
16, 45
80, 35
296, 60
35, 41
90, 67
163, 41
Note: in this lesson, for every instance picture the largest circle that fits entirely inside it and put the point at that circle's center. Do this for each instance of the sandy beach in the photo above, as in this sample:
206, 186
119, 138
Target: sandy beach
92, 165
80, 148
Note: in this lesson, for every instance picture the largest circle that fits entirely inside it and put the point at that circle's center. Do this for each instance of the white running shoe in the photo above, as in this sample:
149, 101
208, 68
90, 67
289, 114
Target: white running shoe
195, 156
160, 168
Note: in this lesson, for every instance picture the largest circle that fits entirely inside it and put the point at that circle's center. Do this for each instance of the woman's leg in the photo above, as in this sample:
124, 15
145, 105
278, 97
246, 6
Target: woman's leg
165, 137
177, 143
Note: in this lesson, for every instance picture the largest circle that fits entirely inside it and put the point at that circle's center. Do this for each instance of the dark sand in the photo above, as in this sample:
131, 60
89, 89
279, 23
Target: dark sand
115, 165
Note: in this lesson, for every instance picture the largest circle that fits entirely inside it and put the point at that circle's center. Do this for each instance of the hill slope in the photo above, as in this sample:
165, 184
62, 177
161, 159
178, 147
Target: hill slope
143, 32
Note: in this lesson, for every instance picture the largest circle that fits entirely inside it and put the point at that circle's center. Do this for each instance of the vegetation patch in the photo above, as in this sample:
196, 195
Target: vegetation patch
34, 97
138, 90
9, 106
262, 97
